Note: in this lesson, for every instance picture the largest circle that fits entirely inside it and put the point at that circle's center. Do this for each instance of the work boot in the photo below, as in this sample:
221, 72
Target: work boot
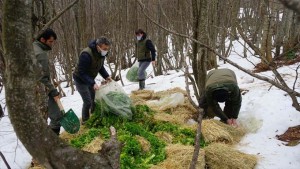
56, 131
142, 84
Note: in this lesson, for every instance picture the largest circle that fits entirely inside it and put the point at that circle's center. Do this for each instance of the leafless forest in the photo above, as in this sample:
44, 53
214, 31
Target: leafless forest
185, 32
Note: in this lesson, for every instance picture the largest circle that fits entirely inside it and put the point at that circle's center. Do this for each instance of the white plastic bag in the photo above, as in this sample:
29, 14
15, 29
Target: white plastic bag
171, 101
108, 87
117, 101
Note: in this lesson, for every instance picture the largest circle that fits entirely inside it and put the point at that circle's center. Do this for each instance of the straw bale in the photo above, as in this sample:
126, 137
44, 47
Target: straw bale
165, 136
143, 94
164, 93
144, 143
179, 157
218, 155
137, 101
94, 146
216, 131
179, 115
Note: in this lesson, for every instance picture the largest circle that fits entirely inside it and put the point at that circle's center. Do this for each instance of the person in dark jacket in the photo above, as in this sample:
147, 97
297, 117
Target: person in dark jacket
221, 86
145, 53
91, 62
41, 47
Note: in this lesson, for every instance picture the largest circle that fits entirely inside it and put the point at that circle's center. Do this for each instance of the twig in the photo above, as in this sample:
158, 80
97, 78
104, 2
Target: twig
57, 16
5, 162
1, 111
294, 86
292, 4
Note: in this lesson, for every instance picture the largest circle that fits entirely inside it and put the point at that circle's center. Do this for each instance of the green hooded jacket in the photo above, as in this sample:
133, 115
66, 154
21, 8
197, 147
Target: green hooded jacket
41, 52
223, 79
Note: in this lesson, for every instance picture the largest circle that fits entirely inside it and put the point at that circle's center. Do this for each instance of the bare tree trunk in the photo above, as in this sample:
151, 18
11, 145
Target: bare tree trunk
200, 30
213, 33
2, 65
38, 139
266, 27
80, 17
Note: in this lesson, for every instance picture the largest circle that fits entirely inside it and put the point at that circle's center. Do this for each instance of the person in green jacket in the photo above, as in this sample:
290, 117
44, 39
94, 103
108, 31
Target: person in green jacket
221, 86
145, 53
41, 46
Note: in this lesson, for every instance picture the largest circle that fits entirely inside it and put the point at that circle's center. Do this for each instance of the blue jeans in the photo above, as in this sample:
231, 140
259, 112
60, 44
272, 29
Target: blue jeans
142, 68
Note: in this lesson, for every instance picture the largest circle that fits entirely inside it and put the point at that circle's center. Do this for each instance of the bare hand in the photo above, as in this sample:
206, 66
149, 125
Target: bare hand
229, 121
154, 63
56, 98
234, 123
108, 79
96, 87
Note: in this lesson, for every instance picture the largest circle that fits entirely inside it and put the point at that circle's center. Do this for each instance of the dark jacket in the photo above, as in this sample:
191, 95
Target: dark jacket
90, 63
143, 49
222, 79
41, 53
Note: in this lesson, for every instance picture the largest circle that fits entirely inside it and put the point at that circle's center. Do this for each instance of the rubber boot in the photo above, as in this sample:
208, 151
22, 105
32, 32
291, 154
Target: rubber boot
56, 131
142, 84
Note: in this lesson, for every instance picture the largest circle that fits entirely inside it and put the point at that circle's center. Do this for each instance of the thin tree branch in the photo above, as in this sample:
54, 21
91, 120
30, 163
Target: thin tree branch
1, 111
294, 86
57, 16
197, 140
292, 4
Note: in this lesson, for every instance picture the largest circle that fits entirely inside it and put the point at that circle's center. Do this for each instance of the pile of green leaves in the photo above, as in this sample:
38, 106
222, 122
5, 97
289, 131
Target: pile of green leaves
142, 124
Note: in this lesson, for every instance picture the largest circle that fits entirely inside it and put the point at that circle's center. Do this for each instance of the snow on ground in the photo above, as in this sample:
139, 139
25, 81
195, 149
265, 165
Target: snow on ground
266, 112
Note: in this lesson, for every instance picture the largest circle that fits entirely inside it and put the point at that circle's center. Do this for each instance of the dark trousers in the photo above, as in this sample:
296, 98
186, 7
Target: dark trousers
54, 114
87, 94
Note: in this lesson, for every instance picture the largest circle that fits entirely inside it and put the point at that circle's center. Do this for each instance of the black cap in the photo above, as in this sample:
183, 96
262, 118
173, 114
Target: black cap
220, 95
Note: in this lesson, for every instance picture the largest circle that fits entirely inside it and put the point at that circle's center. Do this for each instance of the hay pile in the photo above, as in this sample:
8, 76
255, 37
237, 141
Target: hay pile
218, 155
141, 96
94, 146
179, 157
177, 115
216, 131
165, 136
144, 143
214, 156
